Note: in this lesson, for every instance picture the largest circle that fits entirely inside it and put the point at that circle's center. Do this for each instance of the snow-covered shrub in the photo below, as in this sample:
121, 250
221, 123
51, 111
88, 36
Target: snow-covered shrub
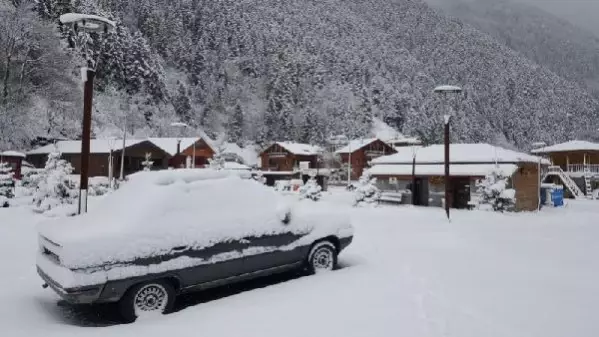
7, 184
54, 186
98, 186
495, 194
311, 190
366, 191
147, 164
217, 162
259, 177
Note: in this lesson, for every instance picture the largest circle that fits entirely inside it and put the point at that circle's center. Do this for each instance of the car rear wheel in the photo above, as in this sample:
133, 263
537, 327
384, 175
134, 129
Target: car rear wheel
149, 298
322, 257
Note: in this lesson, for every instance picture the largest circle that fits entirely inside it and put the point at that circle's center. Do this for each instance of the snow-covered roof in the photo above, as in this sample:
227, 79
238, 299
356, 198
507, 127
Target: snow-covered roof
574, 145
465, 170
459, 153
299, 148
231, 165
387, 134
356, 144
248, 154
74, 146
169, 144
12, 154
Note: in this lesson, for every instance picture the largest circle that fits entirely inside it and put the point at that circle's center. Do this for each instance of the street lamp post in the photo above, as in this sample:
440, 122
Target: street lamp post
86, 23
181, 126
111, 142
539, 145
413, 174
445, 90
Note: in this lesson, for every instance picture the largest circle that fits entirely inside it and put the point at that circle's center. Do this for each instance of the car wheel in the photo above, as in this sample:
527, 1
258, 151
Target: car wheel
149, 298
322, 257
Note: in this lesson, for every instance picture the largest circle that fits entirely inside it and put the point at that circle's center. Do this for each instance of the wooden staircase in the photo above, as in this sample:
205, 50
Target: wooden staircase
568, 182
587, 183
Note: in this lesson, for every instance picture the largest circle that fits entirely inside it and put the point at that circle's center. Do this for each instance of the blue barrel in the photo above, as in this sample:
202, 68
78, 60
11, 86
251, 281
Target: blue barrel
557, 197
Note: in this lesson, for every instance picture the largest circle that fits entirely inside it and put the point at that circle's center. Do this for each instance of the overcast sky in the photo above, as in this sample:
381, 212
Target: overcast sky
584, 13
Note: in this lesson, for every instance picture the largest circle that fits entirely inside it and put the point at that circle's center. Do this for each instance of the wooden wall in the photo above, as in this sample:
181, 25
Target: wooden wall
359, 160
286, 162
526, 182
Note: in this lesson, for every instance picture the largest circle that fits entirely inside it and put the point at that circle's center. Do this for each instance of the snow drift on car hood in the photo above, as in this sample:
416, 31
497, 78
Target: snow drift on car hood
156, 211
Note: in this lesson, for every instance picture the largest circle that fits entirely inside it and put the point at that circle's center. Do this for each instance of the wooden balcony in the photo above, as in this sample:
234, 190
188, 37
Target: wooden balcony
581, 169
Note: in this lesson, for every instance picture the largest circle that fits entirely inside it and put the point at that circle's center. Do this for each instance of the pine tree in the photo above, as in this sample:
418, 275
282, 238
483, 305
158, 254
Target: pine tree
311, 190
54, 186
494, 192
366, 193
217, 162
147, 163
235, 126
7, 184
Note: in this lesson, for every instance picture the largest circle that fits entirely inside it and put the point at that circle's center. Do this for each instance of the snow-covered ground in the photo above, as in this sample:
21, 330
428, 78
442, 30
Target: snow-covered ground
408, 273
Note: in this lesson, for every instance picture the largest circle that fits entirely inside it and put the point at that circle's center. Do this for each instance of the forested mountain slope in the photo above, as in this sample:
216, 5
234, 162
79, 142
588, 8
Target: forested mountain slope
264, 70
557, 44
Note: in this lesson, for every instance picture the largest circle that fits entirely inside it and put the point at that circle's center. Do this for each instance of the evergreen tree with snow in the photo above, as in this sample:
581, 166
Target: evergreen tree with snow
235, 126
217, 162
495, 194
147, 163
311, 190
366, 192
54, 187
7, 184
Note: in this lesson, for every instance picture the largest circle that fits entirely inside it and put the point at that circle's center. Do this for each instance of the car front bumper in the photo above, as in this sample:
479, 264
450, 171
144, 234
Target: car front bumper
344, 242
82, 295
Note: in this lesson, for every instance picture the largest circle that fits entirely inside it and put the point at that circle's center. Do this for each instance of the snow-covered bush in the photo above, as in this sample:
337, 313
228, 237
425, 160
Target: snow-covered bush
495, 194
311, 190
98, 186
147, 164
366, 191
259, 177
54, 186
7, 184
217, 162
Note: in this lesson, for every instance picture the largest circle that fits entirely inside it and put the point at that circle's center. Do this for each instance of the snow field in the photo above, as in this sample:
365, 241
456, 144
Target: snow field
409, 272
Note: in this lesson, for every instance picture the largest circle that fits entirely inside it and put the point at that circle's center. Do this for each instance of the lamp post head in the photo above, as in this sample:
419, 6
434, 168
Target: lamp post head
447, 89
87, 22
179, 125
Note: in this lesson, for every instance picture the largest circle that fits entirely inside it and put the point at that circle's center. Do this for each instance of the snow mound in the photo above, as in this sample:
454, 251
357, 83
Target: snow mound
156, 211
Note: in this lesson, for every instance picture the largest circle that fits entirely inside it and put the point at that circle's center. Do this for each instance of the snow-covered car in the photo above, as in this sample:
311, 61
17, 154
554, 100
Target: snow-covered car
170, 232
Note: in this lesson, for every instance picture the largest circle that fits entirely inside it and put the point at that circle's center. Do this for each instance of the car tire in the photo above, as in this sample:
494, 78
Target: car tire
322, 257
153, 297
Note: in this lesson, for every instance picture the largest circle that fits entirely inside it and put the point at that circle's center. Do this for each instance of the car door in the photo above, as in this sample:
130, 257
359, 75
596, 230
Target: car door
272, 251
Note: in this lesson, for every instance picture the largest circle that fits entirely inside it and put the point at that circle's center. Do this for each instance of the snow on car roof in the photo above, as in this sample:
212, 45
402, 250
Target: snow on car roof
573, 145
459, 153
153, 212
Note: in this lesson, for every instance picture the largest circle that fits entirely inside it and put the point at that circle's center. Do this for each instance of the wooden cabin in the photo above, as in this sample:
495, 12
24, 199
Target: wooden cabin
100, 150
287, 160
575, 164
362, 151
15, 160
469, 163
